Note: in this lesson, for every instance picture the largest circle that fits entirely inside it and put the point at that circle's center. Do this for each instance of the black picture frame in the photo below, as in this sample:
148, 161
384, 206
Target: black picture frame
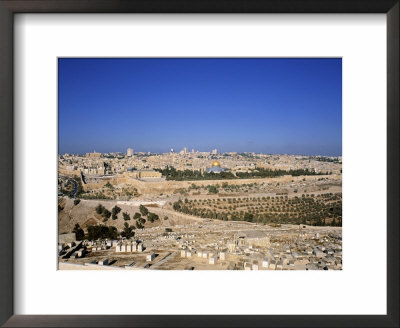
10, 7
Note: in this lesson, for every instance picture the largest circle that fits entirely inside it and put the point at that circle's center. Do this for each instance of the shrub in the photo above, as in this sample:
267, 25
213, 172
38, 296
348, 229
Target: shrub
152, 217
106, 214
143, 210
128, 231
115, 210
99, 209
102, 232
79, 233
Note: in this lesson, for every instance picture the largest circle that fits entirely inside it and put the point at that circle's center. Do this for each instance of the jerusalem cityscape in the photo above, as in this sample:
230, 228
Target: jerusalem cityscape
144, 183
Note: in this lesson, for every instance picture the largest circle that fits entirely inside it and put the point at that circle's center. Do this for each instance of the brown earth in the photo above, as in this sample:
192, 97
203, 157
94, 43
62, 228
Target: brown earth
84, 214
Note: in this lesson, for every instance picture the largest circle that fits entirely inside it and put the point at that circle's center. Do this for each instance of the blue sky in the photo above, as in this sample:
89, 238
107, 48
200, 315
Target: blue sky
291, 106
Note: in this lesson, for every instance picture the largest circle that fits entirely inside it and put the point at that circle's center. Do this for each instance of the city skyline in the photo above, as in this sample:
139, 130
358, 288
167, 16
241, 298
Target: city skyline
190, 151
271, 106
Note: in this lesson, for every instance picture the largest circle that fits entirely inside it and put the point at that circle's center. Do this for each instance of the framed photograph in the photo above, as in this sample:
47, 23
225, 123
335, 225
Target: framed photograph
199, 163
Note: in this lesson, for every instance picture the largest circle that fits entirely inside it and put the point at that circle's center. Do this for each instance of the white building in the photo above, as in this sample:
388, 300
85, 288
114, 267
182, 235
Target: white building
150, 257
103, 262
212, 260
265, 263
129, 152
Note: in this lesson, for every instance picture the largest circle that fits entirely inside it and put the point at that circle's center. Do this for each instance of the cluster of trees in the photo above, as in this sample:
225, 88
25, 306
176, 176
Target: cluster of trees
109, 185
268, 173
321, 210
114, 212
140, 221
79, 233
128, 231
138, 217
213, 189
152, 217
105, 213
96, 195
173, 174
145, 212
95, 232
101, 232
327, 159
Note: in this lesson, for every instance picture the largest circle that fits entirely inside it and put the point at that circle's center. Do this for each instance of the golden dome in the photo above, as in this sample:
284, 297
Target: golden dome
216, 163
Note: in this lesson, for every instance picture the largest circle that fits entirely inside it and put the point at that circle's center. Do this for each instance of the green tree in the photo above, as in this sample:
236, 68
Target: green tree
109, 185
177, 206
128, 231
126, 216
106, 214
102, 232
77, 201
115, 210
143, 210
136, 216
99, 209
79, 233
248, 217
152, 217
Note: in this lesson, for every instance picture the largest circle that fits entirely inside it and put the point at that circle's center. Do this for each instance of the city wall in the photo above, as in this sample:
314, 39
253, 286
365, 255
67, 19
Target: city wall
156, 187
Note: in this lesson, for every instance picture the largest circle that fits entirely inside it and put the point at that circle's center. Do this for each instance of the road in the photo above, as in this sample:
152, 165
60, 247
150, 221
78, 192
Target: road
75, 190
75, 187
